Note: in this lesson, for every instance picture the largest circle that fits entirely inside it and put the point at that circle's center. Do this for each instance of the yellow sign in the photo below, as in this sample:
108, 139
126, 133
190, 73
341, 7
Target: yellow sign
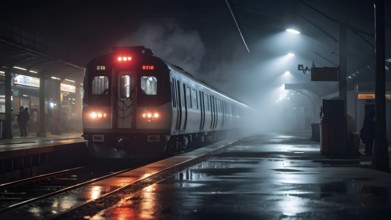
370, 96
100, 67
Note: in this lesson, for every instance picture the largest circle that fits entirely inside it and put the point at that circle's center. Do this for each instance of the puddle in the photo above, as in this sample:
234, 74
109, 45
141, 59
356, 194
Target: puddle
287, 170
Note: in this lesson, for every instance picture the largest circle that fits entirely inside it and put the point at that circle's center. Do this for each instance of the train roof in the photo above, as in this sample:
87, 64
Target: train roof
181, 70
148, 52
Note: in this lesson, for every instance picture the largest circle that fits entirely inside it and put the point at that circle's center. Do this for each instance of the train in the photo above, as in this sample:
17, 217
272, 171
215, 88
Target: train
137, 105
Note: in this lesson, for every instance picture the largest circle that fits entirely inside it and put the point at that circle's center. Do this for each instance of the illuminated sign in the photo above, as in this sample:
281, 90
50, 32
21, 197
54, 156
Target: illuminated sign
100, 67
362, 96
148, 67
68, 88
26, 81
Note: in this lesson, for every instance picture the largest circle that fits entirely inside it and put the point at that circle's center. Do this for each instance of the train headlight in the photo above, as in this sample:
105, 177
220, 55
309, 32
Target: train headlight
150, 115
98, 115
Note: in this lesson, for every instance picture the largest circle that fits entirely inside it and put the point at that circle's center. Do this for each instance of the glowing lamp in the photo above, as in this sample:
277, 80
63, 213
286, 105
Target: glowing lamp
97, 115
150, 116
124, 58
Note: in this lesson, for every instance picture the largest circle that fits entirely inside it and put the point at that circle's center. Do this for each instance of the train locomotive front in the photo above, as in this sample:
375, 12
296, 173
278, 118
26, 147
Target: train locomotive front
126, 104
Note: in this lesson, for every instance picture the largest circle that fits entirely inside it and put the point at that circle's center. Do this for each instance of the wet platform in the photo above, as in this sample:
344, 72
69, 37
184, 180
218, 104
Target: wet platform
268, 176
23, 145
24, 152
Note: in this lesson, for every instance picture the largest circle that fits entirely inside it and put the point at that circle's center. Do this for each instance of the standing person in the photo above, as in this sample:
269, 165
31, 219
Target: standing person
368, 132
20, 121
26, 118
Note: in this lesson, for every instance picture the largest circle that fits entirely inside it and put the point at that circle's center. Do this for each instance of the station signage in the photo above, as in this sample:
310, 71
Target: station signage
26, 81
324, 74
68, 88
368, 96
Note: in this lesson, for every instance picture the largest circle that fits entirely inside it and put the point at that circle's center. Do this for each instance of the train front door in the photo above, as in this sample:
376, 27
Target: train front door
124, 100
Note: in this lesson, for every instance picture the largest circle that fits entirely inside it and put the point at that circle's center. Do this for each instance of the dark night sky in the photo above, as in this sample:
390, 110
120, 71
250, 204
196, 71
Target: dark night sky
200, 35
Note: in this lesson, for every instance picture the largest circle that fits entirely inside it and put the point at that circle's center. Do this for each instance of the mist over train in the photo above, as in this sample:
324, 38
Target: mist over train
256, 79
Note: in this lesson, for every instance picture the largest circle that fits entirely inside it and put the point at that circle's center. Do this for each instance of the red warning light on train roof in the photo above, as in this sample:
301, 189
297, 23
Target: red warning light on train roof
124, 58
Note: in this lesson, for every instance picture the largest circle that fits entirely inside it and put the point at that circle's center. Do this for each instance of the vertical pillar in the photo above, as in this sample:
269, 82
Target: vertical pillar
342, 79
380, 159
7, 126
41, 132
56, 111
78, 104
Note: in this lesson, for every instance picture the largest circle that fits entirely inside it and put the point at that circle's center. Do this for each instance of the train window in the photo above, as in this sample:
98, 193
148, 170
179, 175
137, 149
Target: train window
207, 102
173, 95
100, 85
188, 97
124, 86
149, 85
194, 99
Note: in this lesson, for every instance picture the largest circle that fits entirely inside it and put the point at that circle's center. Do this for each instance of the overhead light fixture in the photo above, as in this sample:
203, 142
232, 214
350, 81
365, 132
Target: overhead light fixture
69, 80
55, 78
293, 31
290, 54
19, 68
32, 71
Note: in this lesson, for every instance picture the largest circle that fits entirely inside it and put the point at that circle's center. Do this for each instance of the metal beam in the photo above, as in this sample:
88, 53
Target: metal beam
237, 26
380, 159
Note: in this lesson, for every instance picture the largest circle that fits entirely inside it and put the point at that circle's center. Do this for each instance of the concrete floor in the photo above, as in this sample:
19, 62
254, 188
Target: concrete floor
269, 176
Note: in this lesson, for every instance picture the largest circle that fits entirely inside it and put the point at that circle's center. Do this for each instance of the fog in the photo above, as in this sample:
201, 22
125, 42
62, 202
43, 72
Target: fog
170, 42
256, 78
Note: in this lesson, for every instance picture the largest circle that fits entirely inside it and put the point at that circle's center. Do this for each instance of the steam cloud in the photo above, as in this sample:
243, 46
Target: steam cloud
172, 43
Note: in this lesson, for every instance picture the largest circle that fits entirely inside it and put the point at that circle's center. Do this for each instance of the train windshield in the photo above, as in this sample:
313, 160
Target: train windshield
149, 85
100, 85
125, 86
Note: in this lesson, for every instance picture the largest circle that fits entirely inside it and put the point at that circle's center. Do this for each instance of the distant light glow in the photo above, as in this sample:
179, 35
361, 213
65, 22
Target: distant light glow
292, 31
282, 94
52, 105
290, 54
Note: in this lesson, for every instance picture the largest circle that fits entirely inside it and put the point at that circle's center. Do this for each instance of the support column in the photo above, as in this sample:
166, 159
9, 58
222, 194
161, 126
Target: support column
342, 80
7, 126
380, 159
56, 111
78, 105
41, 132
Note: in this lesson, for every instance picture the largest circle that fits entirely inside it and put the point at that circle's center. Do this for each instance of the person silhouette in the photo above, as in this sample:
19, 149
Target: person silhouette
368, 132
20, 120
25, 118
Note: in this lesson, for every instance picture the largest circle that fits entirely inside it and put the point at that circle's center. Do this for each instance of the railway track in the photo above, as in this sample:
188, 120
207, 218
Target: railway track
85, 199
29, 190
17, 193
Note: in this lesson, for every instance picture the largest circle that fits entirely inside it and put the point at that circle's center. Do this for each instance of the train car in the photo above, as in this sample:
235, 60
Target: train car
136, 105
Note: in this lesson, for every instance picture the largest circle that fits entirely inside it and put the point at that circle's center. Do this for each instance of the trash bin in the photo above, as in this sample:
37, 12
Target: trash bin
333, 138
315, 132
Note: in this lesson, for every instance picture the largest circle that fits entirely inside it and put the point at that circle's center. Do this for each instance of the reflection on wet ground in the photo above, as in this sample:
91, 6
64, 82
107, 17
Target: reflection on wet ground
264, 177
